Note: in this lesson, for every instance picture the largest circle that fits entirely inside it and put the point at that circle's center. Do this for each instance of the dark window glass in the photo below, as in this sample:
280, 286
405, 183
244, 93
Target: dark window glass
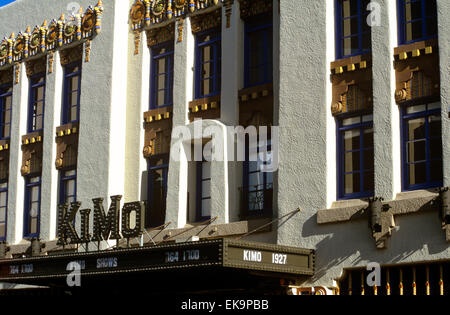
32, 206
72, 92
208, 63
68, 187
161, 92
258, 180
36, 103
3, 209
158, 169
353, 30
356, 157
258, 51
5, 111
417, 20
422, 143
204, 190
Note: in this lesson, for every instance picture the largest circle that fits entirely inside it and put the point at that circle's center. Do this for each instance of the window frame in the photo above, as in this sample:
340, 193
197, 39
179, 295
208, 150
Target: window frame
3, 95
402, 23
170, 56
339, 20
403, 126
4, 190
31, 100
248, 29
216, 43
267, 206
28, 187
150, 190
199, 191
66, 95
340, 129
63, 179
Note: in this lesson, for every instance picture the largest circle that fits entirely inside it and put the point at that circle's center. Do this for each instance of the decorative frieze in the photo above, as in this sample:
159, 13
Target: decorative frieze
4, 159
160, 35
250, 8
66, 146
49, 37
6, 76
256, 101
158, 131
417, 71
200, 23
145, 13
35, 66
351, 79
70, 55
205, 108
32, 153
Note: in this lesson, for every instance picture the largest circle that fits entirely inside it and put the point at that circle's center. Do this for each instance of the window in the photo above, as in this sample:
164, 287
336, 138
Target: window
161, 76
5, 111
258, 51
68, 187
422, 146
36, 103
3, 209
355, 157
32, 206
158, 169
258, 184
203, 190
417, 20
72, 91
353, 34
208, 63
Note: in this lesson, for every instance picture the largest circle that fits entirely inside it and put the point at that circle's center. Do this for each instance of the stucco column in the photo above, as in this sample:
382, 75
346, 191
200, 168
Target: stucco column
443, 7
386, 118
182, 94
52, 117
16, 183
304, 108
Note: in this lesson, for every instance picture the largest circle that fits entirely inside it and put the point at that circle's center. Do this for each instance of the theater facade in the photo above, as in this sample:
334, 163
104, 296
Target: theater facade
225, 146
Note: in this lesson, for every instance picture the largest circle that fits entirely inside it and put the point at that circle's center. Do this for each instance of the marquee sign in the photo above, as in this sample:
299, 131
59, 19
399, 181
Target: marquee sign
203, 254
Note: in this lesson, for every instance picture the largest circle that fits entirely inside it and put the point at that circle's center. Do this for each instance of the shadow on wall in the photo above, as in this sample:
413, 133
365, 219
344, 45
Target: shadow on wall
350, 244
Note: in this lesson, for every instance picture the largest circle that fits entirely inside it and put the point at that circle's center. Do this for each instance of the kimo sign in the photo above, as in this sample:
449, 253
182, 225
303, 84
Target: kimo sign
105, 225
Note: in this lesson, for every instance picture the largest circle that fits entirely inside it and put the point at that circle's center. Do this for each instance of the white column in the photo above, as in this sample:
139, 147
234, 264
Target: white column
232, 81
443, 8
182, 94
16, 183
386, 119
52, 119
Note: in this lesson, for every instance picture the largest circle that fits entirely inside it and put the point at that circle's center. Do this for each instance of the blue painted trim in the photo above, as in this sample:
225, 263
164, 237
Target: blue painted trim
257, 23
68, 73
402, 23
62, 187
340, 158
28, 186
404, 132
3, 95
169, 56
216, 44
33, 86
338, 30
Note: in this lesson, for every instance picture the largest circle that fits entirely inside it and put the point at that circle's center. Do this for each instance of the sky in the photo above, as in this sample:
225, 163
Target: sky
5, 2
